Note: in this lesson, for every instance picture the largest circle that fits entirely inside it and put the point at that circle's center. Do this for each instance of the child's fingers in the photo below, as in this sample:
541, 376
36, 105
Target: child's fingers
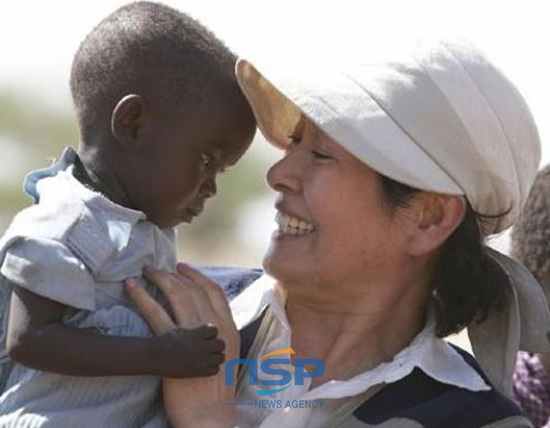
210, 332
216, 346
156, 316
216, 359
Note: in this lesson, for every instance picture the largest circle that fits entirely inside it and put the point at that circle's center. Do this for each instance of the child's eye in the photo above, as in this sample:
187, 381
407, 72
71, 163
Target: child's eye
206, 159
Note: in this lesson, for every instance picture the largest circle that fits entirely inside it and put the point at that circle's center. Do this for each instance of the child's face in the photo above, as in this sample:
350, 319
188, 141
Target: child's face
185, 153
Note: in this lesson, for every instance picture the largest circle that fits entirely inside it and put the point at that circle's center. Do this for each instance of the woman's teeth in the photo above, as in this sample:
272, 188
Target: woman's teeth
292, 225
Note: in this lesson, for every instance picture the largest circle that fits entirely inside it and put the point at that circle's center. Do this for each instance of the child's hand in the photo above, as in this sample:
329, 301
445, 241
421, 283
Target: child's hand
189, 353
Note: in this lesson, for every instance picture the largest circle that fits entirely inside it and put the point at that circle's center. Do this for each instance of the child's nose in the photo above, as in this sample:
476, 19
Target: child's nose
209, 187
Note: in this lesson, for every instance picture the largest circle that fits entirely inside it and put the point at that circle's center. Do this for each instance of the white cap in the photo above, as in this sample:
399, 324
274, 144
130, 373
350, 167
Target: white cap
442, 120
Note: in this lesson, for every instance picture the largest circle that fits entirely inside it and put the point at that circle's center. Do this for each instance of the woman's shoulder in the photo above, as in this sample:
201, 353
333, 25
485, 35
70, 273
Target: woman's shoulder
233, 280
417, 398
433, 404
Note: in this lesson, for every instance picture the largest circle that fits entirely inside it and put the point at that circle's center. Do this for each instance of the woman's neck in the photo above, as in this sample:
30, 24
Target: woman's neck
352, 340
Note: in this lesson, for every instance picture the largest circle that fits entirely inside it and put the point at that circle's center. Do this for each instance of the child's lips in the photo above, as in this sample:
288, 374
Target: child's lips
186, 216
195, 211
192, 211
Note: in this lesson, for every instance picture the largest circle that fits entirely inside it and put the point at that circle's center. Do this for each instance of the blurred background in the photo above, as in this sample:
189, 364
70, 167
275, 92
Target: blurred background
38, 39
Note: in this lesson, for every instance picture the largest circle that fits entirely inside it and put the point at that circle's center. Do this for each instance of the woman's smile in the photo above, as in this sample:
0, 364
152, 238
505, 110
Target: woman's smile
290, 225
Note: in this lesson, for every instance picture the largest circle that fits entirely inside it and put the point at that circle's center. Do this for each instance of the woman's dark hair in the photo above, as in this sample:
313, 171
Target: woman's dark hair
468, 284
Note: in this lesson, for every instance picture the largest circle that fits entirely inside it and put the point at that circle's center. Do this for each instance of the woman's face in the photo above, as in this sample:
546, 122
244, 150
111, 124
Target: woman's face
334, 226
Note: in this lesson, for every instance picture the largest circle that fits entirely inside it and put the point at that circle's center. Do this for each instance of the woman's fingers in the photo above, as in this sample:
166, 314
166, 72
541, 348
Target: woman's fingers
189, 303
184, 398
194, 298
156, 316
220, 306
161, 279
215, 294
182, 301
202, 303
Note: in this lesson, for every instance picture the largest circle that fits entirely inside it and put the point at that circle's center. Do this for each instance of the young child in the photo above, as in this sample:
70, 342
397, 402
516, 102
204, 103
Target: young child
160, 115
531, 246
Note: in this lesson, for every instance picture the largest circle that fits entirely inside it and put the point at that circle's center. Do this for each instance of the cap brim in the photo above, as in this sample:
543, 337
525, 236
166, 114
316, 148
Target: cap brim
346, 112
276, 115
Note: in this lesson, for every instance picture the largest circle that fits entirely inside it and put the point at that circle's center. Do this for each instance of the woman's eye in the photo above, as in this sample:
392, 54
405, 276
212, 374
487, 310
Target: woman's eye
319, 155
294, 139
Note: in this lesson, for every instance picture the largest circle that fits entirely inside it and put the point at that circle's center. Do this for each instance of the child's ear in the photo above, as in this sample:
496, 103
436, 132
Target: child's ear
438, 217
128, 120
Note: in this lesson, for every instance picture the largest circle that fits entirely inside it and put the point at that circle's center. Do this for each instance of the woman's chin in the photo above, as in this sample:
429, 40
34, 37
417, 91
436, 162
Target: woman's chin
269, 262
289, 256
283, 267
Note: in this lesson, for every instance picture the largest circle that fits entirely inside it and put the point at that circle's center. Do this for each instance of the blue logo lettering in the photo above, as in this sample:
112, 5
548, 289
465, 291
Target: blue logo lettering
285, 375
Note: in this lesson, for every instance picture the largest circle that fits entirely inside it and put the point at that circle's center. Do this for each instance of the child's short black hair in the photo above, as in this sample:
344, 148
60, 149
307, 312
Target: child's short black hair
531, 233
148, 49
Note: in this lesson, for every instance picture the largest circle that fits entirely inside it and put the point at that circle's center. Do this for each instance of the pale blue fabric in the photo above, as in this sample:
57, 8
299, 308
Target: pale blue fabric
76, 247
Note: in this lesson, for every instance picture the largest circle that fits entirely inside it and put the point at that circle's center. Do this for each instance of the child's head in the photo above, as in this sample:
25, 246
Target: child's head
531, 233
157, 101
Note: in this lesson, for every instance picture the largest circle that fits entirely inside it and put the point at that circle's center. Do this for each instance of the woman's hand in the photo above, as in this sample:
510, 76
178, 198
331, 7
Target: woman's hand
195, 300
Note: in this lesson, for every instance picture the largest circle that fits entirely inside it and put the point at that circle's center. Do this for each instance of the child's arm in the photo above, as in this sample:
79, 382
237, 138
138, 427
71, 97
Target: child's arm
37, 339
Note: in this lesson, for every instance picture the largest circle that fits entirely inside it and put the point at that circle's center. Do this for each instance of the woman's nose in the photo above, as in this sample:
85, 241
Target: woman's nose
284, 174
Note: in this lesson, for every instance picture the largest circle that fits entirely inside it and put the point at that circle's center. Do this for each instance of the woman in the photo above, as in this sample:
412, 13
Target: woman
392, 176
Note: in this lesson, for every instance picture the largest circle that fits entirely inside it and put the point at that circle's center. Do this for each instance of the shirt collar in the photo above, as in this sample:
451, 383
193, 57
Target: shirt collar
36, 188
117, 213
47, 185
249, 305
434, 356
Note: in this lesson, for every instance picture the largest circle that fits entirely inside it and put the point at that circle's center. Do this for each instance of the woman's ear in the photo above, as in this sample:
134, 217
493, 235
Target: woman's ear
128, 120
438, 217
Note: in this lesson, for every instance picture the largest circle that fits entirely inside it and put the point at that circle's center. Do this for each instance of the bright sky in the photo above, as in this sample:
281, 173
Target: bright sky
38, 38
